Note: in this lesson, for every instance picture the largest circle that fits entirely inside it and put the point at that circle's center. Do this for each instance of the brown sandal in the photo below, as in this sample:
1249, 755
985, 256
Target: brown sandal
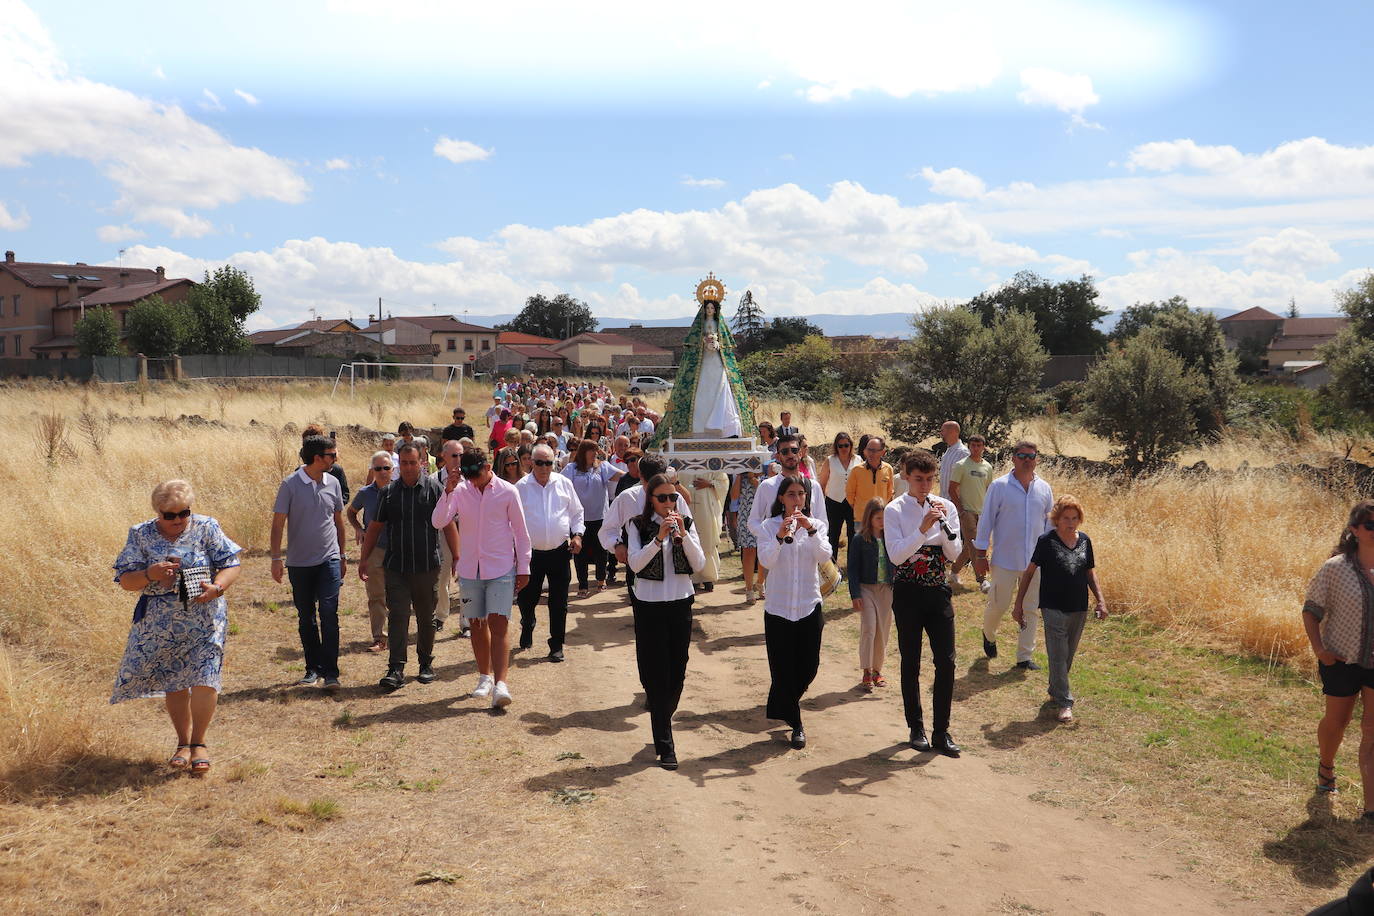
879, 680
1326, 784
180, 761
202, 766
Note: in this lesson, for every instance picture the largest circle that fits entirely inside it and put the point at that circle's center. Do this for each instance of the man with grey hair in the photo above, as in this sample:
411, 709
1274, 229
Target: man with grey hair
554, 517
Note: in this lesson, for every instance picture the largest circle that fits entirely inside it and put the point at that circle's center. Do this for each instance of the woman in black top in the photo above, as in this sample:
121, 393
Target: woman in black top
1067, 567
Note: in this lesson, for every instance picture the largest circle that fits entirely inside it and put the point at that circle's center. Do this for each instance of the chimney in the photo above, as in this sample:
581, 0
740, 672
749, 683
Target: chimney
161, 273
9, 257
72, 292
123, 278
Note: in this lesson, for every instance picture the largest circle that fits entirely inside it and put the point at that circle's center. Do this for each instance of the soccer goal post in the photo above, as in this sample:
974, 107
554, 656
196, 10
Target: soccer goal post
369, 371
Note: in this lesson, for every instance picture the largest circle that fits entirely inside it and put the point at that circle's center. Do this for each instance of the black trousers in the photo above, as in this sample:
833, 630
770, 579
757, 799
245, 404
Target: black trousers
794, 657
407, 592
551, 565
663, 636
592, 553
917, 608
836, 514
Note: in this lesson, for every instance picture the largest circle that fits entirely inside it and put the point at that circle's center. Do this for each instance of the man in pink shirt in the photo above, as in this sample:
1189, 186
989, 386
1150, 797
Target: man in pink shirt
492, 565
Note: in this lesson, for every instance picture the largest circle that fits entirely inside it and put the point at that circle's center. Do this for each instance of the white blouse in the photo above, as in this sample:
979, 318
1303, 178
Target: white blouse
794, 587
675, 586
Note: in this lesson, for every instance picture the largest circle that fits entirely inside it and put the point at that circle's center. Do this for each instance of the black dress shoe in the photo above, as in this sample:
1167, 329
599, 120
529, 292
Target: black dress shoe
945, 744
989, 648
438, 624
555, 655
526, 640
668, 760
393, 679
919, 741
1028, 665
709, 586
426, 675
798, 738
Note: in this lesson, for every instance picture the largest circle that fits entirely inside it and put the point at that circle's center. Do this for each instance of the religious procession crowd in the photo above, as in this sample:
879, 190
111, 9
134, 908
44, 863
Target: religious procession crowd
562, 480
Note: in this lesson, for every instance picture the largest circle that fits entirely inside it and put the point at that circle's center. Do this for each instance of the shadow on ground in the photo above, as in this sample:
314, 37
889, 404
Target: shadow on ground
1322, 846
78, 777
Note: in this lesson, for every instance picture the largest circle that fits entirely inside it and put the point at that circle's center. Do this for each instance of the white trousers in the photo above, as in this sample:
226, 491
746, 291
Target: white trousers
1002, 597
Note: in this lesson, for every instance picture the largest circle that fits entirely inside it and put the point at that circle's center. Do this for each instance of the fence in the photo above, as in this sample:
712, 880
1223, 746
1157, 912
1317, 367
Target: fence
134, 368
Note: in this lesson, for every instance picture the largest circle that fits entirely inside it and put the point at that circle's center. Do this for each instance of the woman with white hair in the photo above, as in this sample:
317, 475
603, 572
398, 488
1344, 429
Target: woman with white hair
181, 564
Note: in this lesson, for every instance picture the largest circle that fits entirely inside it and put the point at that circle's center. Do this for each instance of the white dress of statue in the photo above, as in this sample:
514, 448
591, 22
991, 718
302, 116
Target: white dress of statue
715, 413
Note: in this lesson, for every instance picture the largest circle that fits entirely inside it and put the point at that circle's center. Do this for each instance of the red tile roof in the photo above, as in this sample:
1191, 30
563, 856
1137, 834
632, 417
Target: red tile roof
36, 273
516, 338
119, 295
612, 340
442, 323
271, 337
326, 324
534, 352
1254, 313
1313, 327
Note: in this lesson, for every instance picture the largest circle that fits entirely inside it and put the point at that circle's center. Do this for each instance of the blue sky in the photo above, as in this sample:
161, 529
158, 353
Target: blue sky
875, 157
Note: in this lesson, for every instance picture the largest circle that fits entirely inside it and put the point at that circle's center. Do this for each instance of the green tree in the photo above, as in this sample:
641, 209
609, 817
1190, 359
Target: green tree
234, 288
1350, 357
957, 368
1138, 317
1196, 338
1065, 313
787, 331
1292, 307
560, 317
803, 371
1141, 397
212, 324
748, 325
156, 327
97, 334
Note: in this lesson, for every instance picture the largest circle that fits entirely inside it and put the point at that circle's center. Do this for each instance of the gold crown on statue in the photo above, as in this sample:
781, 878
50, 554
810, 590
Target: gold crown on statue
711, 290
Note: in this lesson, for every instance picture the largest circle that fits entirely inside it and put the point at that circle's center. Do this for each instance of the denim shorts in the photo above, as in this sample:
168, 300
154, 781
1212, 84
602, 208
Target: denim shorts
481, 597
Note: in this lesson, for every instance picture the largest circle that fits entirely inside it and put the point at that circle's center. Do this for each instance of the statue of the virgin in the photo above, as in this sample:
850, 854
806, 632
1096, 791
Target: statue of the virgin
708, 399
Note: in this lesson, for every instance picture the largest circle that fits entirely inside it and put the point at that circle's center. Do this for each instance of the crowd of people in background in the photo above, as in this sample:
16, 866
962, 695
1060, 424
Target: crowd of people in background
562, 484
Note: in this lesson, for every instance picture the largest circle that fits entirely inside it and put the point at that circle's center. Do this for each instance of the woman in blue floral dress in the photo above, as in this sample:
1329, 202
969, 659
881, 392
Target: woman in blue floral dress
181, 564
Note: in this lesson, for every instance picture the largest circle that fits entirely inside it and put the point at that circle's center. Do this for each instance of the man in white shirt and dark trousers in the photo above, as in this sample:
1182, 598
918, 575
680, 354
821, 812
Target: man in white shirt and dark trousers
921, 533
1016, 511
554, 517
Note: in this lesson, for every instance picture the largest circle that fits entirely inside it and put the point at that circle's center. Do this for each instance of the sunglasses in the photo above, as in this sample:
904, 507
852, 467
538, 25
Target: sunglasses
845, 445
632, 461
334, 455
1026, 456
471, 470
1367, 524
665, 497
789, 451
543, 463
186, 513
512, 464
381, 467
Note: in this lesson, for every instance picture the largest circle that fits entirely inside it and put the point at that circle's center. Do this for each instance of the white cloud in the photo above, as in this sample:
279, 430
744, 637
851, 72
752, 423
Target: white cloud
164, 162
1071, 93
11, 222
1292, 250
1168, 272
460, 151
954, 182
337, 165
209, 101
246, 96
691, 182
113, 235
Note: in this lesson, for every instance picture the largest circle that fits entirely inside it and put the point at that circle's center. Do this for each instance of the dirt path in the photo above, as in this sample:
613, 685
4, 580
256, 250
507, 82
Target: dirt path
428, 779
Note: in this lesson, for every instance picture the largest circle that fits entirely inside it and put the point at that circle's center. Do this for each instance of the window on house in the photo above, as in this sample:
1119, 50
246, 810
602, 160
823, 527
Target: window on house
16, 305
486, 344
18, 345
452, 344
123, 319
2, 346
467, 344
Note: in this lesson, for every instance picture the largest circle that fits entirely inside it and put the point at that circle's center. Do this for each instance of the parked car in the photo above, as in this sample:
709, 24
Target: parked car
647, 384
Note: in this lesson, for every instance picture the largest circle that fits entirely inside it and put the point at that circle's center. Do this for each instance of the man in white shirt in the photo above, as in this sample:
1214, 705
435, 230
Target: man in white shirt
1016, 511
646, 426
921, 533
955, 451
553, 515
789, 456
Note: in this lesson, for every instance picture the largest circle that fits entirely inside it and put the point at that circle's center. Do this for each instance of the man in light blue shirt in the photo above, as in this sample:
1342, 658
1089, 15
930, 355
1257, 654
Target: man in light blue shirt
1016, 512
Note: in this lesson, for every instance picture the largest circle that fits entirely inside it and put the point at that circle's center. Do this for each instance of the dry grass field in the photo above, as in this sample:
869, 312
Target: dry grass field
1210, 571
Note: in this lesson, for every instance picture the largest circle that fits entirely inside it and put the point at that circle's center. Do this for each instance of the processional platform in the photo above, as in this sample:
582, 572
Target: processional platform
731, 456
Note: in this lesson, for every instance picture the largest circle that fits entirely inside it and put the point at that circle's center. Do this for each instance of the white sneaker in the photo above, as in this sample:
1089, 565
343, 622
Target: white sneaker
952, 580
749, 595
484, 684
500, 697
985, 586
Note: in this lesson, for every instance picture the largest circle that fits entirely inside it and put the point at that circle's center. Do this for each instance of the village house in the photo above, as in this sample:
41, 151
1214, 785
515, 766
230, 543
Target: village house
40, 303
458, 343
604, 352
